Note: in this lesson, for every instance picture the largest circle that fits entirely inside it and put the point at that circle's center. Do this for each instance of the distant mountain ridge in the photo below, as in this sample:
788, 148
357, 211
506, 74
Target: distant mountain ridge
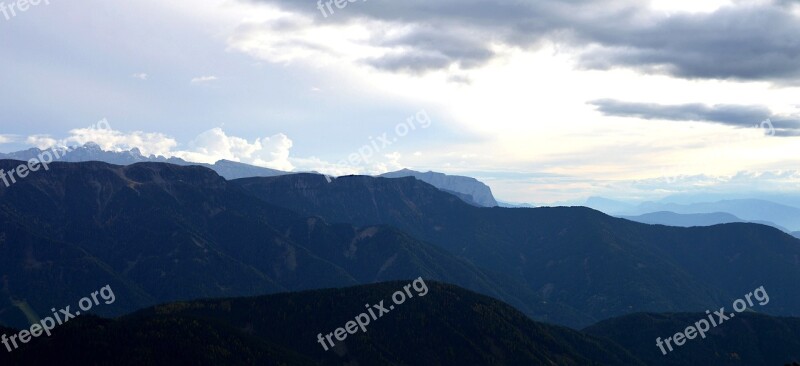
684, 220
477, 193
468, 189
689, 220
785, 217
746, 209
93, 152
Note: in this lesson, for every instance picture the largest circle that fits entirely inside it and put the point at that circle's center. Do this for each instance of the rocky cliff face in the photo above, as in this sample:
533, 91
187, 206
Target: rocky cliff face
480, 193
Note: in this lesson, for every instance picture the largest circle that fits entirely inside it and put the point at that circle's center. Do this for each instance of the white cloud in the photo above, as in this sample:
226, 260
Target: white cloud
390, 163
208, 147
4, 139
41, 141
109, 139
203, 79
214, 145
112, 140
140, 76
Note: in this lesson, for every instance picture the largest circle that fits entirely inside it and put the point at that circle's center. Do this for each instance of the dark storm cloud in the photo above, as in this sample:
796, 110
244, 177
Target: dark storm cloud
742, 42
746, 43
731, 115
427, 49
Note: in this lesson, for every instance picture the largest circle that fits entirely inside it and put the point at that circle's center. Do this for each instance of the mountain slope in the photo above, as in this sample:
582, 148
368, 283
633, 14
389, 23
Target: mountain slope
446, 326
577, 257
159, 232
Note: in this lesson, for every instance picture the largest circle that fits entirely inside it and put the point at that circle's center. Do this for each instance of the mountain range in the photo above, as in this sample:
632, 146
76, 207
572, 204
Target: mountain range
160, 233
700, 219
540, 249
783, 216
468, 189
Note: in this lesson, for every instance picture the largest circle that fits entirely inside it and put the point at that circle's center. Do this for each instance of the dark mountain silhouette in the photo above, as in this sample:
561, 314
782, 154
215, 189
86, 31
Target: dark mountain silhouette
448, 326
595, 264
159, 232
747, 339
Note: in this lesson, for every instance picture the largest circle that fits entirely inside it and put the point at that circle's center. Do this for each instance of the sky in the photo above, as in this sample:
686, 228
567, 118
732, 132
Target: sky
545, 101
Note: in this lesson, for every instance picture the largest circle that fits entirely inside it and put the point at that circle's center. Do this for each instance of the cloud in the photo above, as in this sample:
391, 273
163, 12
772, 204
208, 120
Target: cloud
4, 139
731, 115
208, 147
746, 40
741, 182
108, 139
203, 79
214, 145
112, 140
42, 142
140, 76
390, 162
426, 48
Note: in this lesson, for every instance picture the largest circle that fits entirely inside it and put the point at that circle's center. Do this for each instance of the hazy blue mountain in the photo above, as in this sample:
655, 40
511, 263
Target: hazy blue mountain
796, 234
447, 326
746, 209
608, 206
748, 339
788, 199
684, 220
690, 220
480, 193
624, 266
93, 152
514, 205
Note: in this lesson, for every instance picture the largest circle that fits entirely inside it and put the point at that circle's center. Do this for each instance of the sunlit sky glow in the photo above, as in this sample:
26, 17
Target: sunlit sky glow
546, 102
